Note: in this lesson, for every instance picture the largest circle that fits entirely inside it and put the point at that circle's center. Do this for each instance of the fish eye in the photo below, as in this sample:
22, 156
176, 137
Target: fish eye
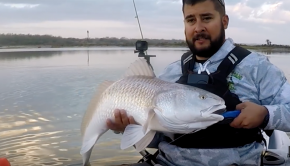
202, 97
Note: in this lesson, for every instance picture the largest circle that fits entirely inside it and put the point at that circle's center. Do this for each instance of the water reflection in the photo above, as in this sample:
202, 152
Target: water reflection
44, 94
88, 52
34, 144
28, 55
269, 52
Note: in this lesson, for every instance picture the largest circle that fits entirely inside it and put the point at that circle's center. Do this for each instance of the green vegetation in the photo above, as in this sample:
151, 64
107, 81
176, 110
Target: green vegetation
27, 40
267, 48
12, 40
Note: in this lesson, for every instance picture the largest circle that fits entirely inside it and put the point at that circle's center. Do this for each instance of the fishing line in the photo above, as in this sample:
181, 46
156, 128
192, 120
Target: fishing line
182, 136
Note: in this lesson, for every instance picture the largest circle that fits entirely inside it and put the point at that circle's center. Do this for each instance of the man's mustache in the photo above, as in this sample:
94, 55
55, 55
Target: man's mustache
200, 35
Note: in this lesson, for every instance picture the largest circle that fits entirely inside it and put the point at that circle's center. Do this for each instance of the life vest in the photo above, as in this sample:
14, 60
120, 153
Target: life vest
220, 135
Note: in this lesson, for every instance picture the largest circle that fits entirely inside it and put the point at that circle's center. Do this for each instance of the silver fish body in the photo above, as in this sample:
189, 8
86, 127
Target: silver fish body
156, 105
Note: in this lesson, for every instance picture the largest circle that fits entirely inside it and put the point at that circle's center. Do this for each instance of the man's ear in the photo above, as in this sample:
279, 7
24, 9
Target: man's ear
225, 21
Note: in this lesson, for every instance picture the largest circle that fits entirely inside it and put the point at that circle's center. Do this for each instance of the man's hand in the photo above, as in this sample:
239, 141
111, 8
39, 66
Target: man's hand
251, 116
121, 121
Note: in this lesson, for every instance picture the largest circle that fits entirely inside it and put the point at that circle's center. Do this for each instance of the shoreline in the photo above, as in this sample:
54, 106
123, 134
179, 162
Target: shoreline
256, 48
267, 49
28, 41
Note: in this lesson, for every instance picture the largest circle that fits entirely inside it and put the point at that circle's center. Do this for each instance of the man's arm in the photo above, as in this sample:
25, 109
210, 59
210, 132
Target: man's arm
274, 94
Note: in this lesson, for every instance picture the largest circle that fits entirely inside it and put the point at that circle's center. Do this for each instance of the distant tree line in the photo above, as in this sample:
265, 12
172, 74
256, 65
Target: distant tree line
268, 44
57, 41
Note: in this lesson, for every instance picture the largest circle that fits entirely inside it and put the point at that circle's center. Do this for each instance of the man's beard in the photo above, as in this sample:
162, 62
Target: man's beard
211, 49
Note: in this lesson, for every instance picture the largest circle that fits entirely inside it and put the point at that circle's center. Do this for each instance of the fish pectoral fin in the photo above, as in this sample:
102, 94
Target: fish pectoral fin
145, 141
132, 135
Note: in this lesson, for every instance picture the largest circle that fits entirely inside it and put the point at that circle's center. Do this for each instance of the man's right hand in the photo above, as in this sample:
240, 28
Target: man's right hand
121, 121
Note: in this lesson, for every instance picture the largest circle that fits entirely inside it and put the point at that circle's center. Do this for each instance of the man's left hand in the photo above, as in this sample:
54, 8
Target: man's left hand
251, 116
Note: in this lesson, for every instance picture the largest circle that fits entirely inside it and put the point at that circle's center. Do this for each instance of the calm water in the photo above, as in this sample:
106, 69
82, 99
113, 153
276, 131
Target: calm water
44, 93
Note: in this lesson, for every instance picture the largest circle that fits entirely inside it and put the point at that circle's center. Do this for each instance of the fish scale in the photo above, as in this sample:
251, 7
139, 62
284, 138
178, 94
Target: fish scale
128, 91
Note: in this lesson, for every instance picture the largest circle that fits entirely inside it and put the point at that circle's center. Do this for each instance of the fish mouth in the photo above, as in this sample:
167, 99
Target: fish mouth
220, 111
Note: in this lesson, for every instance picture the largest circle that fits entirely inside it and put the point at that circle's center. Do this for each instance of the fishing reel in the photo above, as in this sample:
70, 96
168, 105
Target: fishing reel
141, 48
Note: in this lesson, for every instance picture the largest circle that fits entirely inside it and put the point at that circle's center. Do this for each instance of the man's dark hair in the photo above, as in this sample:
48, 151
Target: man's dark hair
217, 4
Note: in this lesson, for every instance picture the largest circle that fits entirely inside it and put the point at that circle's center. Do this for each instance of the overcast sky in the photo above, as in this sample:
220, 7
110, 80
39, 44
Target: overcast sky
251, 21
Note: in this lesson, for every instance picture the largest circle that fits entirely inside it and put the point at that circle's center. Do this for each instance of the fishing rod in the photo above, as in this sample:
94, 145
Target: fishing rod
141, 48
137, 18
142, 45
88, 51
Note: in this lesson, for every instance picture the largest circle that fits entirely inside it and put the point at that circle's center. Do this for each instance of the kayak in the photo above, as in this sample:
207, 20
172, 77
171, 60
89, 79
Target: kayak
277, 150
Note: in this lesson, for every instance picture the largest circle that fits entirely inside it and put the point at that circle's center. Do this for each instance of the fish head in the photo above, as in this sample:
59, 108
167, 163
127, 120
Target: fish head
206, 101
184, 105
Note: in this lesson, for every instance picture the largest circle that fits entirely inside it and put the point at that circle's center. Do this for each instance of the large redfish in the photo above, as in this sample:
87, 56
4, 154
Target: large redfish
156, 105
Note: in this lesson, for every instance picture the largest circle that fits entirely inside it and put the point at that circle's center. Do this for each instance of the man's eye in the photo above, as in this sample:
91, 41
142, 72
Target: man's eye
207, 18
190, 20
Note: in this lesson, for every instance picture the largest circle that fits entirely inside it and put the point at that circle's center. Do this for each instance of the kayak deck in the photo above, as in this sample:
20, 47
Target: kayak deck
276, 157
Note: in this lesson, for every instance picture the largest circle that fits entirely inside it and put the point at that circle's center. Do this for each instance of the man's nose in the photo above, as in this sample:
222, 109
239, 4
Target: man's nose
199, 27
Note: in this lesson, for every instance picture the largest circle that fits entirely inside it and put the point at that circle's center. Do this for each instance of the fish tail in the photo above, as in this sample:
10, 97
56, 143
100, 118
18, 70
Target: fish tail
86, 157
87, 148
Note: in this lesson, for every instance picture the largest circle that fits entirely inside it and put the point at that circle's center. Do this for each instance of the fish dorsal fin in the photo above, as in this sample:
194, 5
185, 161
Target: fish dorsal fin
103, 86
139, 68
93, 104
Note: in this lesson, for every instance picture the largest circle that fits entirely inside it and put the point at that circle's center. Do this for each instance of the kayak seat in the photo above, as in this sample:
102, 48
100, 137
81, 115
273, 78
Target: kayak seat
271, 158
